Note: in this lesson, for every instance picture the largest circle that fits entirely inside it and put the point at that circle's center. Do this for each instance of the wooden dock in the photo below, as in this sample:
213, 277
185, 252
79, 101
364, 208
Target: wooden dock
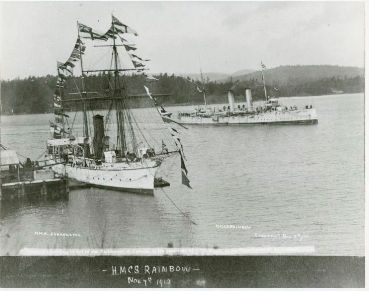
51, 188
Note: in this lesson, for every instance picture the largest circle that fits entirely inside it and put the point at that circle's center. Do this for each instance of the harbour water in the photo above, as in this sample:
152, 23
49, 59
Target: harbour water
260, 185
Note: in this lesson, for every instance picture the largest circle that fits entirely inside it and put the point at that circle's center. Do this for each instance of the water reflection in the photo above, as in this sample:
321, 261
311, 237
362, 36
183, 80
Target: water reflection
14, 204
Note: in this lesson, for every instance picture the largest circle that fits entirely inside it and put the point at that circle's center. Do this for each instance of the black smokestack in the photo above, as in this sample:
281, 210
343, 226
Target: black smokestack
98, 121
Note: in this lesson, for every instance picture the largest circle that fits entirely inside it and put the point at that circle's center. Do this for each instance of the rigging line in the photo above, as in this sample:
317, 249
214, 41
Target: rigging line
129, 121
111, 60
80, 93
107, 119
134, 120
74, 118
156, 142
175, 205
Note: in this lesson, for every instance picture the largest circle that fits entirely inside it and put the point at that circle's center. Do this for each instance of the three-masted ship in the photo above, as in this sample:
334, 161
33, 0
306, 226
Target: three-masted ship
122, 140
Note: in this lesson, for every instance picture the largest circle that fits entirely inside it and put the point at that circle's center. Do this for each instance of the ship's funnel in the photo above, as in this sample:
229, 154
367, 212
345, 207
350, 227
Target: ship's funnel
98, 121
231, 100
248, 98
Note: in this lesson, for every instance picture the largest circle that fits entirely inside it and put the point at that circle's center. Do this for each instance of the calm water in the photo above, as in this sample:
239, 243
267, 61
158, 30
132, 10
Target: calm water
285, 185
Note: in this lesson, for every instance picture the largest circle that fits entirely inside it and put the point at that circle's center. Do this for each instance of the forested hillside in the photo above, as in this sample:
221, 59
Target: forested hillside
35, 94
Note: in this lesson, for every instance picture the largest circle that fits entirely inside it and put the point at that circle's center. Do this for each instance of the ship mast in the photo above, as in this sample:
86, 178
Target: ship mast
203, 87
262, 76
63, 123
83, 93
121, 145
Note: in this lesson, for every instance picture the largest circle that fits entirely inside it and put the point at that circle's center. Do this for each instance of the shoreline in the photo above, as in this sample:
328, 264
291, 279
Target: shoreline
195, 104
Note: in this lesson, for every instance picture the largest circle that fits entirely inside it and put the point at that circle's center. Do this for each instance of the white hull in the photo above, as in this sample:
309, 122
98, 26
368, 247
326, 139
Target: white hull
306, 116
133, 178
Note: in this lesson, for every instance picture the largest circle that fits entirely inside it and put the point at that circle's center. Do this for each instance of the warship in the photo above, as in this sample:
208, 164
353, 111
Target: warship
123, 149
271, 111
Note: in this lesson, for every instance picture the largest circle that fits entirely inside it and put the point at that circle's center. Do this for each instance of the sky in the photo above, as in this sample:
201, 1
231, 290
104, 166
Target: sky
181, 37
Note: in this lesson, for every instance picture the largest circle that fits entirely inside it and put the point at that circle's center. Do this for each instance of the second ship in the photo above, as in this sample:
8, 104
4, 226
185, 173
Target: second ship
271, 111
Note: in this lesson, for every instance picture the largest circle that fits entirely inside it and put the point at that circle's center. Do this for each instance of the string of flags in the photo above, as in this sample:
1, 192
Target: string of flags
57, 129
65, 70
125, 28
116, 29
185, 180
184, 171
87, 32
177, 141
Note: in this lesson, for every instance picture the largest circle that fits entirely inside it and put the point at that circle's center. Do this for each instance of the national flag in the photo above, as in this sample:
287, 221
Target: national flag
137, 57
126, 28
55, 128
57, 98
57, 105
183, 166
75, 55
129, 47
116, 30
62, 75
185, 180
63, 70
68, 63
60, 81
176, 138
99, 36
59, 84
138, 64
87, 32
83, 48
111, 32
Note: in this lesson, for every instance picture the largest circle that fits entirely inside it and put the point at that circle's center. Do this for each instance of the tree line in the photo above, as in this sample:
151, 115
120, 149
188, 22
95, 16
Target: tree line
35, 94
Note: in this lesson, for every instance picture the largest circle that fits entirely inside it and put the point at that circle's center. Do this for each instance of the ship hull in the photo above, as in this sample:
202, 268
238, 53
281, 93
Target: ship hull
136, 180
307, 116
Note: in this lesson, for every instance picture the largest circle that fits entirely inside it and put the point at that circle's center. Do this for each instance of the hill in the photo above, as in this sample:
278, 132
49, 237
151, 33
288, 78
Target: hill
209, 76
284, 75
215, 76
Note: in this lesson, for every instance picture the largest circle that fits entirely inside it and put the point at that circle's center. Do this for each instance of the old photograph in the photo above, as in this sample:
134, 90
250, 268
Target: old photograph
182, 144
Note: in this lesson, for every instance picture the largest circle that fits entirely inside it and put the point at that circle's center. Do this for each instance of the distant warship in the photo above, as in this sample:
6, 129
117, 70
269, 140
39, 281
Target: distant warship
269, 112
